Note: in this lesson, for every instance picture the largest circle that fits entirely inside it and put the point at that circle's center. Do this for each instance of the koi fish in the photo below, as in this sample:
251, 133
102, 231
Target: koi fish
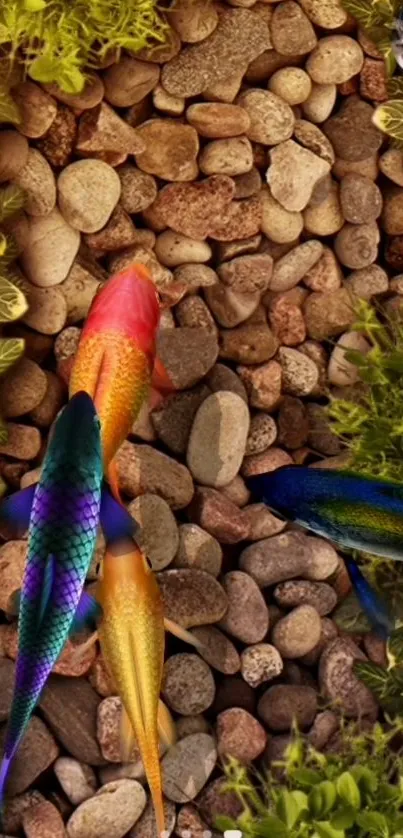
371, 603
352, 510
116, 358
62, 514
129, 613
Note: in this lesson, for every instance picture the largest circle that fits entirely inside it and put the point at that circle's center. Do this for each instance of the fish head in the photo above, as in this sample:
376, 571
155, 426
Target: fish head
281, 490
125, 562
76, 435
129, 303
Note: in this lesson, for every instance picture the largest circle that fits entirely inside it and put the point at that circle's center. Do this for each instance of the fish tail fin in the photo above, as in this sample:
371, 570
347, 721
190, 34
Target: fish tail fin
113, 481
166, 725
4, 772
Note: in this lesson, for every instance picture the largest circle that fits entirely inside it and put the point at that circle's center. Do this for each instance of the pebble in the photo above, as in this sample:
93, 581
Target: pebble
292, 84
291, 268
335, 59
392, 211
7, 674
271, 118
14, 150
323, 728
173, 249
43, 821
279, 224
89, 97
356, 245
325, 218
217, 800
45, 413
197, 66
76, 731
23, 442
142, 470
360, 198
326, 274
299, 373
47, 312
262, 433
248, 344
36, 753
277, 559
237, 491
102, 133
352, 133
192, 597
293, 173
320, 595
247, 617
291, 30
195, 276
230, 308
319, 104
247, 274
298, 632
218, 439
329, 14
218, 119
391, 165
22, 389
328, 314
188, 354
159, 537
188, 684
138, 189
222, 377
129, 80
37, 109
193, 22
239, 735
171, 150
217, 649
260, 663
283, 704
310, 136
51, 249
57, 145
338, 682
112, 811
263, 384
293, 425
218, 515
38, 182
187, 766
342, 372
232, 156
193, 312
77, 780
146, 826
239, 219
261, 522
173, 419
108, 731
88, 191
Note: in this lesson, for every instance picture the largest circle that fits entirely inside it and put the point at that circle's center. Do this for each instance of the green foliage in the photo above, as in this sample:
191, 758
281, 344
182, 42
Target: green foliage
61, 38
354, 793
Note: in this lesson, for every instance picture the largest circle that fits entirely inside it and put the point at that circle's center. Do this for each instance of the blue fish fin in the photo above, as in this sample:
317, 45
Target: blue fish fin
48, 580
375, 609
116, 521
4, 770
88, 613
15, 511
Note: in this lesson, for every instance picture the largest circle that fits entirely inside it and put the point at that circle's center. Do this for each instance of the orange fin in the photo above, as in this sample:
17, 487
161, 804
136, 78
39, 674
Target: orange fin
166, 725
181, 633
155, 399
113, 481
127, 737
160, 379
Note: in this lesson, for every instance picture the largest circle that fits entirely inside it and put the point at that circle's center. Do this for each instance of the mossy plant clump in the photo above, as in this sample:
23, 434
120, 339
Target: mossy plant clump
59, 39
12, 300
380, 20
354, 792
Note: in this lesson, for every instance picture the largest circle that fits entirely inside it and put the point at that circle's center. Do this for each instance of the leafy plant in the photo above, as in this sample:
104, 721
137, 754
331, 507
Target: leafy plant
354, 793
12, 300
59, 39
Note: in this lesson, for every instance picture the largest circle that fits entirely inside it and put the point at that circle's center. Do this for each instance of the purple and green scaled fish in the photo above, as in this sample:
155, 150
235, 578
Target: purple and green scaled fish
352, 510
61, 513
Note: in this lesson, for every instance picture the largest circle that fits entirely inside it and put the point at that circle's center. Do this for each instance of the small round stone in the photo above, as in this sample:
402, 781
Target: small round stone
247, 617
292, 84
217, 649
260, 663
22, 389
335, 59
187, 766
192, 597
188, 685
360, 198
298, 632
218, 439
319, 595
88, 191
271, 118
159, 535
218, 119
262, 433
300, 373
77, 780
339, 683
232, 156
198, 549
283, 704
239, 735
112, 811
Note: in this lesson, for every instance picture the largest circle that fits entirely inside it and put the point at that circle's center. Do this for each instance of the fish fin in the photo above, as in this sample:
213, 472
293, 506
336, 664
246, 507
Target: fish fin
181, 633
14, 603
373, 606
166, 725
82, 649
113, 480
160, 379
47, 585
15, 511
4, 770
127, 737
88, 613
155, 399
116, 521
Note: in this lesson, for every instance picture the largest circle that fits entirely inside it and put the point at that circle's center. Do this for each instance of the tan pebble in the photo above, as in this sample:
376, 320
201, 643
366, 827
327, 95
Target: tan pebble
260, 663
232, 156
263, 384
319, 104
13, 154
119, 232
356, 246
45, 413
78, 290
193, 312
22, 389
38, 182
329, 14
217, 514
218, 120
290, 269
227, 89
360, 198
13, 557
291, 30
88, 191
329, 314
236, 491
198, 549
193, 21
239, 735
88, 98
159, 536
230, 308
247, 184
341, 371
292, 84
366, 282
247, 616
310, 136
278, 223
247, 273
188, 684
23, 442
262, 523
195, 276
192, 597
299, 373
173, 249
335, 59
298, 633
218, 439
37, 109
47, 310
271, 118
391, 164
103, 134
139, 189
170, 150
392, 221
129, 81
51, 249
352, 131
142, 469
163, 101
326, 274
326, 217
268, 460
293, 173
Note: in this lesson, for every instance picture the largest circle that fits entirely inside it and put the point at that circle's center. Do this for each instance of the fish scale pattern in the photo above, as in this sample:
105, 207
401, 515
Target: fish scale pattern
62, 537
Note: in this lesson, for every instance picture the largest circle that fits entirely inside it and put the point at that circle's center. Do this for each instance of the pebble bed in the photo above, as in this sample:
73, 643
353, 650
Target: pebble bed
238, 162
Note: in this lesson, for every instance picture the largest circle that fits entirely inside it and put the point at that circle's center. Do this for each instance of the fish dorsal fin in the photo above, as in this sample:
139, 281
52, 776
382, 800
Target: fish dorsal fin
88, 613
48, 580
15, 512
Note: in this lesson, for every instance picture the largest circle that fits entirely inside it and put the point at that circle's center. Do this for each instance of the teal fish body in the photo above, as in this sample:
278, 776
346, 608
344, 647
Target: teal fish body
63, 510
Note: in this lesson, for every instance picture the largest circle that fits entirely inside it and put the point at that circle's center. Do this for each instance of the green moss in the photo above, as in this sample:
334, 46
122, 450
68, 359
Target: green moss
354, 792
62, 38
